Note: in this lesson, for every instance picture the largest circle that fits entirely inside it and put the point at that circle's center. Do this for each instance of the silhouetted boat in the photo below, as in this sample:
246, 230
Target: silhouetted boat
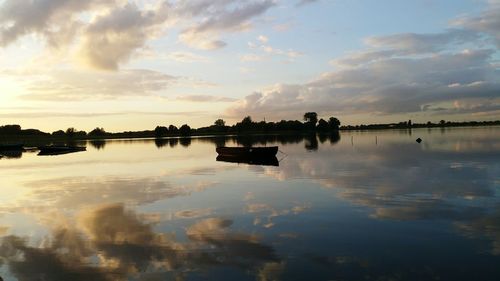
10, 147
58, 150
248, 151
251, 160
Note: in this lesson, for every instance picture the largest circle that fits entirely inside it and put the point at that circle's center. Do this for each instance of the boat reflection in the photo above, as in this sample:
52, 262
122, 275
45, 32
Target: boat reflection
59, 150
245, 159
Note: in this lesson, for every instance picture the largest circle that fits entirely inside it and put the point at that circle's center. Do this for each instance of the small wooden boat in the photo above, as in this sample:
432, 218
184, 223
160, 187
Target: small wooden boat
248, 151
261, 161
59, 149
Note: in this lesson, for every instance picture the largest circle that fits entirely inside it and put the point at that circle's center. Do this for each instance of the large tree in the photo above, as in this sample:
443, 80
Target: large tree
334, 123
185, 130
311, 119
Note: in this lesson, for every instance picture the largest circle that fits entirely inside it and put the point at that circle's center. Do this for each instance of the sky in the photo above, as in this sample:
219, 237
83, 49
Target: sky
132, 65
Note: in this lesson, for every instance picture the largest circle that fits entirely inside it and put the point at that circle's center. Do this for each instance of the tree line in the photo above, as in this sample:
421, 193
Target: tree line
309, 124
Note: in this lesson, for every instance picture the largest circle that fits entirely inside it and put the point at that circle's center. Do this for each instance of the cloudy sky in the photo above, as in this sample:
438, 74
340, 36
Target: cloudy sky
132, 65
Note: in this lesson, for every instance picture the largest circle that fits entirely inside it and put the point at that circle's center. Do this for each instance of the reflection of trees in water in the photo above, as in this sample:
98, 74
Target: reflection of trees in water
161, 142
219, 141
333, 137
186, 142
173, 142
253, 140
98, 144
311, 142
112, 243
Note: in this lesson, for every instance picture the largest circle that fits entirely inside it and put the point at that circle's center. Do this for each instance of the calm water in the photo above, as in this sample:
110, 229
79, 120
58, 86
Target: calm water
367, 206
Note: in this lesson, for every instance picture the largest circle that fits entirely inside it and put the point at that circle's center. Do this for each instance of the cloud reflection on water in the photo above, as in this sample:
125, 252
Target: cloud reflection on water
110, 242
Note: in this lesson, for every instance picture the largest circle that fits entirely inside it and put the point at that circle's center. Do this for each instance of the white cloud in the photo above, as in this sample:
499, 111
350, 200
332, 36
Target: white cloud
106, 34
112, 38
262, 38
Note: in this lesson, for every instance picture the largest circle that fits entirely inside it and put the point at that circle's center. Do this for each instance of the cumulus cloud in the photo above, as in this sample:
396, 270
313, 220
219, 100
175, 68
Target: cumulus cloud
114, 31
106, 34
406, 76
112, 38
19, 18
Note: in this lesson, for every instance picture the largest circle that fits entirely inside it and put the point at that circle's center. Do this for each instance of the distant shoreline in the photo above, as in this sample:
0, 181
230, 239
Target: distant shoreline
35, 139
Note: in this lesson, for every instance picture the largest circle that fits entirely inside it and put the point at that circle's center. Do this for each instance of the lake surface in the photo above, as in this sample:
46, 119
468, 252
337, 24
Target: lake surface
359, 206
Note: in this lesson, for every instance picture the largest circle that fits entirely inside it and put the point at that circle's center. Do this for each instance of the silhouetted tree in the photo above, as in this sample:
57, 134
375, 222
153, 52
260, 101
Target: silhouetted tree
70, 132
220, 123
97, 132
59, 134
334, 123
247, 120
185, 130
173, 129
10, 129
245, 125
322, 125
161, 131
311, 119
442, 122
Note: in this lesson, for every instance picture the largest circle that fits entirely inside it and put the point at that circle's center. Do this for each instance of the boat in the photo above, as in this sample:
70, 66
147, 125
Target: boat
11, 147
248, 151
59, 149
259, 160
